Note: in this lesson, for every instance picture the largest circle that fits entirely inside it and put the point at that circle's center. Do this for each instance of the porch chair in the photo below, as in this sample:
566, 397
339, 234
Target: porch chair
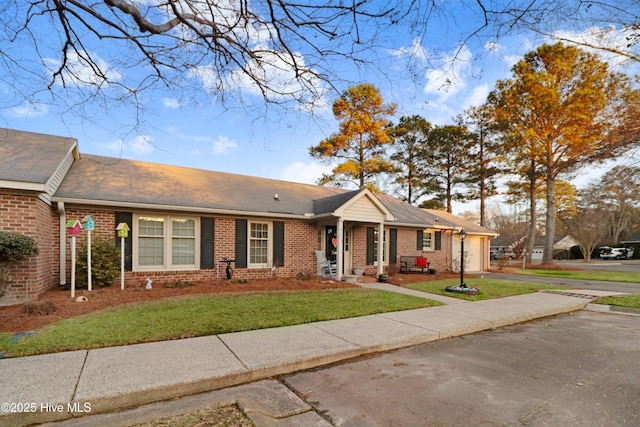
327, 267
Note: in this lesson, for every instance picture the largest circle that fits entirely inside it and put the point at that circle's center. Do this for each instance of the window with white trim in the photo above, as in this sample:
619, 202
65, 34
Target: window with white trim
385, 247
259, 244
165, 243
428, 241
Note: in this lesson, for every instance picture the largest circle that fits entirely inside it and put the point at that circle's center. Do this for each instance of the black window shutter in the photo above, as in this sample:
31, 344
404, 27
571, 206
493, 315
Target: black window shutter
126, 217
393, 245
206, 243
420, 240
278, 243
370, 241
241, 243
438, 240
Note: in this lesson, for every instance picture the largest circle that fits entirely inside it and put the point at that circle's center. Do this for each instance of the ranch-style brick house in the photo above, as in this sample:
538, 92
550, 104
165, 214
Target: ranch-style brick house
184, 221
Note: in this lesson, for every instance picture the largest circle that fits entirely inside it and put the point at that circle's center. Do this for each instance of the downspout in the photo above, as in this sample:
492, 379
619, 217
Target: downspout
63, 244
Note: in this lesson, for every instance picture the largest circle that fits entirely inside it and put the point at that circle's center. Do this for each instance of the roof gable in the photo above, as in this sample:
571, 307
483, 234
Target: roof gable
32, 161
364, 207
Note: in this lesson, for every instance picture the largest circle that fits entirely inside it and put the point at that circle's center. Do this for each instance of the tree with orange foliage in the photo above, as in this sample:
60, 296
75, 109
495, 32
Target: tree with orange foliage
360, 144
564, 109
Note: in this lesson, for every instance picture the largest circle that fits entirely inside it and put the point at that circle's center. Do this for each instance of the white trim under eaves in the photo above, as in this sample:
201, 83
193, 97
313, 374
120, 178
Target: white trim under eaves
172, 208
22, 185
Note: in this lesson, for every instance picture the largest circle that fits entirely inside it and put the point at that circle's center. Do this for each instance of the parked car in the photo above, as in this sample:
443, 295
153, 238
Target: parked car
616, 253
502, 254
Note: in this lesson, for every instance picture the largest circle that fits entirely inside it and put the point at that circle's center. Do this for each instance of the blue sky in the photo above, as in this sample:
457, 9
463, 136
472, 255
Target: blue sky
273, 142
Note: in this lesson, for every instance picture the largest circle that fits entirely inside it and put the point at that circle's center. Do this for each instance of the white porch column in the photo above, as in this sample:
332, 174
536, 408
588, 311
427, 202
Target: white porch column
340, 249
380, 247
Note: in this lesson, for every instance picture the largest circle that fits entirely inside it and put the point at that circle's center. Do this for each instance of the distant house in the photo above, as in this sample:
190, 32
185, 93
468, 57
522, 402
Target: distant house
561, 243
183, 221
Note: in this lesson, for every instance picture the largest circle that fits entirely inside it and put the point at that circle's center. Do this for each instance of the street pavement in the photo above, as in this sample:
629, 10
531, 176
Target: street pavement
578, 369
80, 384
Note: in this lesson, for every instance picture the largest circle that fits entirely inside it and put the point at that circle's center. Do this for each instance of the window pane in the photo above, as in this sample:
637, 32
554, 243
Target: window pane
184, 227
384, 246
151, 241
183, 243
427, 239
151, 226
259, 243
183, 251
150, 251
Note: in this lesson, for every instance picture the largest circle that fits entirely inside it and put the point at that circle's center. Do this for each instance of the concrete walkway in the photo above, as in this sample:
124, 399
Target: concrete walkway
74, 384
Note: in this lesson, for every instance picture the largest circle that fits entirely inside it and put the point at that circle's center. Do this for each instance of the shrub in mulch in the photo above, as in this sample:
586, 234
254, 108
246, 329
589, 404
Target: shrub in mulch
38, 308
178, 284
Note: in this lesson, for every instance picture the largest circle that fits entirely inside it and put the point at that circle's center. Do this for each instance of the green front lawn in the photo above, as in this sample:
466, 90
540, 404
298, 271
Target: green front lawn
205, 315
607, 276
489, 288
626, 301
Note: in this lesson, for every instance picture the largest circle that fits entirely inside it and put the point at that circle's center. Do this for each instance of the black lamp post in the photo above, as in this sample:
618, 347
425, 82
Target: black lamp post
462, 235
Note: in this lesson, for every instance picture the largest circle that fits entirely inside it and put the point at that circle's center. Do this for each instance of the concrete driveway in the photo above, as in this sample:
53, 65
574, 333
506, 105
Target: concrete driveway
570, 370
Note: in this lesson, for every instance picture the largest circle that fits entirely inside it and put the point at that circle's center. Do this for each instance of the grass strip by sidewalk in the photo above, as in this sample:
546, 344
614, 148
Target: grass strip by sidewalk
205, 315
626, 301
605, 276
489, 288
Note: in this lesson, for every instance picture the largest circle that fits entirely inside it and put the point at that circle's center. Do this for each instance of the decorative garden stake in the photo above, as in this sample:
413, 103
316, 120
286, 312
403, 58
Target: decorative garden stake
123, 233
74, 227
88, 224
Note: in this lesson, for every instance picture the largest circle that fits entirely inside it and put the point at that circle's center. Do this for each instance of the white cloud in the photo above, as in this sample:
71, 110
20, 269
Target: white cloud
223, 145
415, 51
500, 51
450, 78
611, 38
171, 102
140, 144
276, 71
306, 173
478, 96
79, 71
32, 109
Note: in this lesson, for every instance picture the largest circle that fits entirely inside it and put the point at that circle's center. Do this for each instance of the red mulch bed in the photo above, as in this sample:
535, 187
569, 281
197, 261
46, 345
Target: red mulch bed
12, 319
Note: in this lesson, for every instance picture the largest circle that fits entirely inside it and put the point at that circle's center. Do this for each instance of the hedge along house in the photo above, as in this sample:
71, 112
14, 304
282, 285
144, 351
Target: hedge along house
184, 221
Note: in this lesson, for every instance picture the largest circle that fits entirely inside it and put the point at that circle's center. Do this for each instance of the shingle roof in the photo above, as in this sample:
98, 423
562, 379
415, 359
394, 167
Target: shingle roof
31, 157
98, 178
27, 157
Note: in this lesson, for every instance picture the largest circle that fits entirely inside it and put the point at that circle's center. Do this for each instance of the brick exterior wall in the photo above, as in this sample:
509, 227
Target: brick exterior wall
24, 212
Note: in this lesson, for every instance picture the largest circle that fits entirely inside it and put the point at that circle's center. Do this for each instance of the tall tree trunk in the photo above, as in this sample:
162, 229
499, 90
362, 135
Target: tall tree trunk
483, 197
550, 226
533, 213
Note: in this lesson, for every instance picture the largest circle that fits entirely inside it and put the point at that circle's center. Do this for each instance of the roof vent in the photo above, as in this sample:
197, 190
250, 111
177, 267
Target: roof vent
275, 197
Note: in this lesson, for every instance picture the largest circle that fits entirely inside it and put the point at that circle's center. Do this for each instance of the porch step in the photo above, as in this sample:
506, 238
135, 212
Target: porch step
351, 278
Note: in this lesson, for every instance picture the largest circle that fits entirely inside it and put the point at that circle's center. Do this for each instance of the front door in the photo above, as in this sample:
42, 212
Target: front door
331, 243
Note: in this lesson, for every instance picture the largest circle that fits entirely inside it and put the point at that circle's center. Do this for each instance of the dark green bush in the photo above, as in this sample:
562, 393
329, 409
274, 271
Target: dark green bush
105, 264
15, 246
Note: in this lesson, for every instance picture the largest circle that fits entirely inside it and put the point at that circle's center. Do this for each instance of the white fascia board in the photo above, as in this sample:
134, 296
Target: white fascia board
192, 209
22, 185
